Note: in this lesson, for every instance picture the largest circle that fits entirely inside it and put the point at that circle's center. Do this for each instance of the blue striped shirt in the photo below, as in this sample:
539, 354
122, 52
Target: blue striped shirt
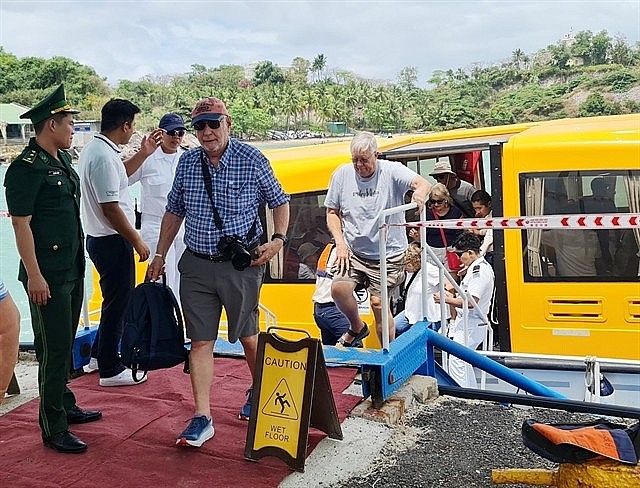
3, 290
241, 184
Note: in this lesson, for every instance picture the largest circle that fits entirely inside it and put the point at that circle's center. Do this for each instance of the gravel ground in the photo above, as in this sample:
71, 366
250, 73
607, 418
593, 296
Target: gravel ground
454, 443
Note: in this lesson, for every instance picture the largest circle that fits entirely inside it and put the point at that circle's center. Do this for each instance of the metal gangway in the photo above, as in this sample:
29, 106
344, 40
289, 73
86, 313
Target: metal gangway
385, 370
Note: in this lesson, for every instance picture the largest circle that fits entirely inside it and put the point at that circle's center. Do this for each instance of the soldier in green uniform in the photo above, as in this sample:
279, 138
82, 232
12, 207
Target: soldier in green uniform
43, 197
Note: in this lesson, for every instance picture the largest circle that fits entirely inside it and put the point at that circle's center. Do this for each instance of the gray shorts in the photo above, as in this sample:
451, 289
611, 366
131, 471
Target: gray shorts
366, 272
206, 287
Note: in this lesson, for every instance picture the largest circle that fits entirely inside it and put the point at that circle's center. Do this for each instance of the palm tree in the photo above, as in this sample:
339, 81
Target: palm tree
318, 65
518, 56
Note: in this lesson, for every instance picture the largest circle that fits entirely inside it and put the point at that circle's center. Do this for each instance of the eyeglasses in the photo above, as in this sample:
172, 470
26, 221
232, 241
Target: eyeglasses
436, 202
212, 124
361, 160
176, 132
440, 177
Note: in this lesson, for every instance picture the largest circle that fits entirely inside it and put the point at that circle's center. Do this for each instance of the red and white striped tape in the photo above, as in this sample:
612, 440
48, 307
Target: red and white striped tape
577, 221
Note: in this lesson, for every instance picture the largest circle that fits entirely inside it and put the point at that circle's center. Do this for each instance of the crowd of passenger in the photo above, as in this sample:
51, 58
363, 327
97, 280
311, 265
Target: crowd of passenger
196, 205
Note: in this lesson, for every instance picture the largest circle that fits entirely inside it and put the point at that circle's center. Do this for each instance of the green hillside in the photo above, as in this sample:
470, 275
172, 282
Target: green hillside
582, 75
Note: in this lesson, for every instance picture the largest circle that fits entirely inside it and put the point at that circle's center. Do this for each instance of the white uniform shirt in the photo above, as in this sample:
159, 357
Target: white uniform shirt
156, 178
479, 282
104, 179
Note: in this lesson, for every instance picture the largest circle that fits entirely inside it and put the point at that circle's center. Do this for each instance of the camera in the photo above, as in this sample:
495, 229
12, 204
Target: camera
232, 248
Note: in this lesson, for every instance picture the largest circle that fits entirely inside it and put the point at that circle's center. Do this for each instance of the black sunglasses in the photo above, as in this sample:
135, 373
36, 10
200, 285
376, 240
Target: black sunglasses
440, 177
212, 124
436, 202
176, 132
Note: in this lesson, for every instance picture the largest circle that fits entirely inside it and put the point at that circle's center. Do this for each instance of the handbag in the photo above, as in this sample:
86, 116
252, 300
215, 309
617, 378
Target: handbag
453, 261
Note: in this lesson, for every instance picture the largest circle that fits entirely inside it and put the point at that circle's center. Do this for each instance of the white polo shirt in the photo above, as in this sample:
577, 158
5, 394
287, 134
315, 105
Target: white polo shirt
104, 179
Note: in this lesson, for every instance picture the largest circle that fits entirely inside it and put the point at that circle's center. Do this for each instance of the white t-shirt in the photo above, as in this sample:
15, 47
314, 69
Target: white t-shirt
413, 303
322, 293
156, 178
104, 179
360, 200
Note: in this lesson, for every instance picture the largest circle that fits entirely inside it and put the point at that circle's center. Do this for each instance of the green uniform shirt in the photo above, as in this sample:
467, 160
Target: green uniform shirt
48, 190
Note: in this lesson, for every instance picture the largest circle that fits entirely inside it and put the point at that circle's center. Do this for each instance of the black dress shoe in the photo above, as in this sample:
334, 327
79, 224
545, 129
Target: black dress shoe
65, 442
76, 415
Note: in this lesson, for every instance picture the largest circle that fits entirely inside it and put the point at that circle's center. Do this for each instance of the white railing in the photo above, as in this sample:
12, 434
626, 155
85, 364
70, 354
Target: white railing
487, 343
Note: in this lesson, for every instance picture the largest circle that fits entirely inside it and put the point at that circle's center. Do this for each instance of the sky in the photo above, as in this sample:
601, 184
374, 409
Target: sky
373, 39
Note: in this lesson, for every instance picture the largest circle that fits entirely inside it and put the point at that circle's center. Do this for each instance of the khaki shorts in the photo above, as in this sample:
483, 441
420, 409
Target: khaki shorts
366, 273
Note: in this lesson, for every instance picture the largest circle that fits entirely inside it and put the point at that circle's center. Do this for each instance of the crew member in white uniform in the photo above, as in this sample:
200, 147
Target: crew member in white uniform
479, 282
156, 178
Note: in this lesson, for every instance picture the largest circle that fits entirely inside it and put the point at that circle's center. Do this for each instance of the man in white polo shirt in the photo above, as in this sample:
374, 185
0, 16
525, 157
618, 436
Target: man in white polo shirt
108, 222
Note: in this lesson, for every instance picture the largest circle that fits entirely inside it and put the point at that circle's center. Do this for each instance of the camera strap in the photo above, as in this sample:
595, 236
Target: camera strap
206, 176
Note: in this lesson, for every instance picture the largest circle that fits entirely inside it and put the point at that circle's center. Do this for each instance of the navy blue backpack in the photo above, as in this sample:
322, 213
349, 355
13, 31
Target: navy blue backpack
153, 336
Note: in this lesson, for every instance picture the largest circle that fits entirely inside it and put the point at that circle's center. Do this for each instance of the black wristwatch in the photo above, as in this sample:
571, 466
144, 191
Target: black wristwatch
282, 237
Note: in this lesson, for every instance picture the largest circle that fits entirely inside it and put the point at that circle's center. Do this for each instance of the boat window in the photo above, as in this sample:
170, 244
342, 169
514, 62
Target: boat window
576, 254
308, 228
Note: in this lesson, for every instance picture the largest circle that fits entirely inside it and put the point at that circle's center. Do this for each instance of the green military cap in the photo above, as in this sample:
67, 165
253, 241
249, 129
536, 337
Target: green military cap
47, 108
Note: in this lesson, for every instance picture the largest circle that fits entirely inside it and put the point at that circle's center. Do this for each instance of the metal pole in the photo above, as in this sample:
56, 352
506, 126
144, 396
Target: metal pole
382, 250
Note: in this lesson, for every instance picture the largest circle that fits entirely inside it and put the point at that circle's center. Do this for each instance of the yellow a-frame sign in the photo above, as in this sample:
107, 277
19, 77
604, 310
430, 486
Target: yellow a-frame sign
291, 392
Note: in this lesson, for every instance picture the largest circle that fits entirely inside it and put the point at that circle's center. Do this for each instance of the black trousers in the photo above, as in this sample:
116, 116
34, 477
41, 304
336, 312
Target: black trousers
113, 258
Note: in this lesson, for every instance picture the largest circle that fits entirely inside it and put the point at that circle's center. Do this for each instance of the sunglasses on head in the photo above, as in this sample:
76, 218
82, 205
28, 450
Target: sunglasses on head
212, 124
176, 132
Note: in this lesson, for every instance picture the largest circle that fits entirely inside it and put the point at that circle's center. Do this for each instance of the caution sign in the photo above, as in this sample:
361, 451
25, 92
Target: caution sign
279, 405
291, 393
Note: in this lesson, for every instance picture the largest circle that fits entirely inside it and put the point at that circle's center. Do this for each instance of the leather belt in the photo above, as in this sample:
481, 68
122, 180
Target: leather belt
209, 257
324, 305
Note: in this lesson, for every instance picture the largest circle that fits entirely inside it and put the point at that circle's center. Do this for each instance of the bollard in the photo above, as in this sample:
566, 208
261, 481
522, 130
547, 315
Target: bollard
592, 474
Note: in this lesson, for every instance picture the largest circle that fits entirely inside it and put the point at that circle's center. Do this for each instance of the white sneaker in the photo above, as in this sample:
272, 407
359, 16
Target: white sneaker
92, 367
125, 378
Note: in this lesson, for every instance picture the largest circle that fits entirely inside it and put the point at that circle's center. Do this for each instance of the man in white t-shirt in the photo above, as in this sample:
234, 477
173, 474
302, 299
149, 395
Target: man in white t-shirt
108, 222
357, 193
156, 178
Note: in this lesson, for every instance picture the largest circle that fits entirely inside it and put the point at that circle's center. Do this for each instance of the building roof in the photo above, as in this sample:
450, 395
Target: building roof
10, 113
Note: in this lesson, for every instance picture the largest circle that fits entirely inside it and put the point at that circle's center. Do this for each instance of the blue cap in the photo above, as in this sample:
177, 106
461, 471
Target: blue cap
171, 122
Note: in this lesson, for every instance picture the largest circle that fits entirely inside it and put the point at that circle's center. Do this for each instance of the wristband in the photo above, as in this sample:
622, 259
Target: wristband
282, 237
159, 256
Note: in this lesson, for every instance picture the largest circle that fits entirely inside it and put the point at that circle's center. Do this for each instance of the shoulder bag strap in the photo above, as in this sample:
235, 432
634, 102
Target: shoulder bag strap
206, 176
406, 288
